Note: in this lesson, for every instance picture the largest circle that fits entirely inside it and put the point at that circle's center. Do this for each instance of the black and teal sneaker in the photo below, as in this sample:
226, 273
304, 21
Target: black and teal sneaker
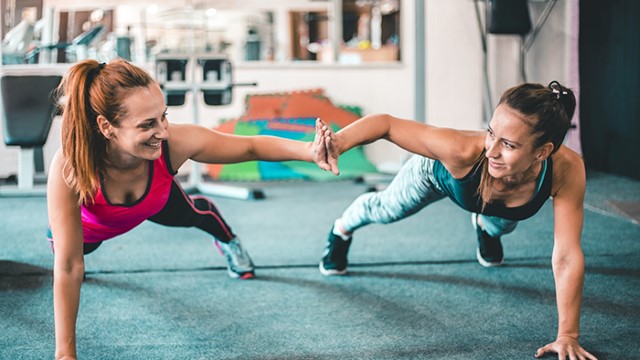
489, 251
334, 259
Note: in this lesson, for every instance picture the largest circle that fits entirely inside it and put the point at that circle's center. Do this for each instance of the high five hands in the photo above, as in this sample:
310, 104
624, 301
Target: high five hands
325, 152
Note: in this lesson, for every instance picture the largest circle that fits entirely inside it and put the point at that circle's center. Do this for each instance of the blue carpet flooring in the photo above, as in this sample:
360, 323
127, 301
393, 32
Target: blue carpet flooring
415, 290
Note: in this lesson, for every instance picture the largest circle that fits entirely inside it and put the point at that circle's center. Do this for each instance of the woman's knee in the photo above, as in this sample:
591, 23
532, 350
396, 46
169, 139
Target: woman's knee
91, 247
495, 226
384, 210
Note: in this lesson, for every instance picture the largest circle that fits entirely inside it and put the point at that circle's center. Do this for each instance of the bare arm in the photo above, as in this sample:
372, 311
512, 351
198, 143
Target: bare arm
568, 258
455, 148
209, 146
68, 269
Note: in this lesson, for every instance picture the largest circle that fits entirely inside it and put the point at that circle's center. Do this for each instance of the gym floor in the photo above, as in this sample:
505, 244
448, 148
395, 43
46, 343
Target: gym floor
414, 291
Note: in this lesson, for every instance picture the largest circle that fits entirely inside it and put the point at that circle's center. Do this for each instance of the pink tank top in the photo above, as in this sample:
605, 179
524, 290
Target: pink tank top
103, 220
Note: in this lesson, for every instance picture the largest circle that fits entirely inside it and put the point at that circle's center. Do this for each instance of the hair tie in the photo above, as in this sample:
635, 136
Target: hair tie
98, 68
557, 89
93, 73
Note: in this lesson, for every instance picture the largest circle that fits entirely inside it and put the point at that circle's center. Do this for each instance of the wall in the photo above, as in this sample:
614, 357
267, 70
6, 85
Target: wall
454, 60
453, 75
376, 88
454, 64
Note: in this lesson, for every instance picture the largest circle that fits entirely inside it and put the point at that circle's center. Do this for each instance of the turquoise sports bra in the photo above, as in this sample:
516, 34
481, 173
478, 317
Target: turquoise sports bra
464, 192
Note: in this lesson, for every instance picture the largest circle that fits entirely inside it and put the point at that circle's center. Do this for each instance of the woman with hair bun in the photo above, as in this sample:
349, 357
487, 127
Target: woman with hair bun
501, 176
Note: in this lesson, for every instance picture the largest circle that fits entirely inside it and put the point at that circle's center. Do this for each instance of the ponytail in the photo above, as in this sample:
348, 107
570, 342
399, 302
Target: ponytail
82, 143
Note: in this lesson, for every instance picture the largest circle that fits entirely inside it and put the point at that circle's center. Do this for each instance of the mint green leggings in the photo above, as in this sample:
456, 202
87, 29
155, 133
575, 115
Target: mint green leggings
413, 188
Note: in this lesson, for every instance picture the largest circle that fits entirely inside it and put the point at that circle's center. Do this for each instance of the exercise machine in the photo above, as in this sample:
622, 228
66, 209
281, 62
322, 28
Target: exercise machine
28, 109
210, 77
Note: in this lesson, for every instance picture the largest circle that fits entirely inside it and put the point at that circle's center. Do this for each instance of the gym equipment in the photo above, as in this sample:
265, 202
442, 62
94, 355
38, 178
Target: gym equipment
171, 73
217, 81
16, 43
508, 17
210, 75
27, 113
76, 50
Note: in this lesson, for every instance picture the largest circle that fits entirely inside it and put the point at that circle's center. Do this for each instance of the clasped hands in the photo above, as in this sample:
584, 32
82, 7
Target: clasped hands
324, 150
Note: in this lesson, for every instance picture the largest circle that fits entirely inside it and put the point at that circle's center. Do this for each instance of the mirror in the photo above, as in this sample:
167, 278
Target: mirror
275, 31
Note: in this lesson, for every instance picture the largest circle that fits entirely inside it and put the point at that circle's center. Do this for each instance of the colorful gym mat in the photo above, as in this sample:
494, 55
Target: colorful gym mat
292, 116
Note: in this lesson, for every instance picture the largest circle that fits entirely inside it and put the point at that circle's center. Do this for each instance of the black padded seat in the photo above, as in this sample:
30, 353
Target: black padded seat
28, 109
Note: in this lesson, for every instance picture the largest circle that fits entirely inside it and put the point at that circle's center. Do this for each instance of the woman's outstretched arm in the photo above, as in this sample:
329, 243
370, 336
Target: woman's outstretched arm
209, 146
457, 149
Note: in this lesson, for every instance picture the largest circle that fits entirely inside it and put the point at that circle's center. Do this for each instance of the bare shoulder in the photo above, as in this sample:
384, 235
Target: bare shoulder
568, 171
187, 133
187, 140
469, 146
177, 132
57, 164
58, 189
58, 158
179, 147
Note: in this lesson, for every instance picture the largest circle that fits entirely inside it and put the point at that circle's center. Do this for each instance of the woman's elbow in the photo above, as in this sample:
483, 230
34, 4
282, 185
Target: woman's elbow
573, 259
378, 117
69, 268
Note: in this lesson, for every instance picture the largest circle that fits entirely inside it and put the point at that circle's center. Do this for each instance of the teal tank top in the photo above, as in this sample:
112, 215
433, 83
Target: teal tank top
464, 192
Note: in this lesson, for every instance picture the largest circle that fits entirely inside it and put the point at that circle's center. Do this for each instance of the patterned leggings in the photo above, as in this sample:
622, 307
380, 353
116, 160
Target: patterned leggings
413, 188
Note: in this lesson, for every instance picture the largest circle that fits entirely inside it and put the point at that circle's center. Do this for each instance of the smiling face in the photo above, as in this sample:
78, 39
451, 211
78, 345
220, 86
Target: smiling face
143, 128
509, 145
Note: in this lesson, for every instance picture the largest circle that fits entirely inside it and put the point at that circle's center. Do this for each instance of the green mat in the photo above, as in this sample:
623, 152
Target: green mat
353, 163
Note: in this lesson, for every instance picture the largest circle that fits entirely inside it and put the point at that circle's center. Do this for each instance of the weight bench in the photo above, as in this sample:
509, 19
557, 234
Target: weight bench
27, 113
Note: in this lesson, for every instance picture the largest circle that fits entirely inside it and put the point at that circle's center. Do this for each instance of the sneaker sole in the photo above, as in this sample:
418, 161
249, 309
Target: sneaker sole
243, 276
486, 263
331, 272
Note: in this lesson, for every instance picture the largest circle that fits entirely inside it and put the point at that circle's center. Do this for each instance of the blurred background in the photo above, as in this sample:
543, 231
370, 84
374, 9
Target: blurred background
441, 61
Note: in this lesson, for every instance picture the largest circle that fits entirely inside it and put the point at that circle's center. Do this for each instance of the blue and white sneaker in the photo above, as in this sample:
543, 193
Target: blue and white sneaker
239, 263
